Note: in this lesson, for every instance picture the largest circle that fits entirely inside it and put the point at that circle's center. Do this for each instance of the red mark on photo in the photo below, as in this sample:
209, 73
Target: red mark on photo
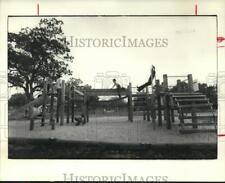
220, 39
196, 9
38, 9
221, 135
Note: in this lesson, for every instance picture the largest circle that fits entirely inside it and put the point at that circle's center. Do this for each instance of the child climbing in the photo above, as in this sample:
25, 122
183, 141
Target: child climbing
118, 87
149, 80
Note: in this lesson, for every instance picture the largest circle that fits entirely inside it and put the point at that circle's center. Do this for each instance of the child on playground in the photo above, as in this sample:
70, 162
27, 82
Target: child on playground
118, 87
150, 80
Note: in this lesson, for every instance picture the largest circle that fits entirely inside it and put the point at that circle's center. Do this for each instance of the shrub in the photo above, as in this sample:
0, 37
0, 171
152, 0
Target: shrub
18, 99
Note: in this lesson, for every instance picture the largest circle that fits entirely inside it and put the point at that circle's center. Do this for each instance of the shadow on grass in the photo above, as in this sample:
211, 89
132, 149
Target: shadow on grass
60, 149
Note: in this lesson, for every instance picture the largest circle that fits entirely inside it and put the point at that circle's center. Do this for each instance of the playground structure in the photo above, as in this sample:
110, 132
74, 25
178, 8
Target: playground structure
188, 104
66, 98
159, 105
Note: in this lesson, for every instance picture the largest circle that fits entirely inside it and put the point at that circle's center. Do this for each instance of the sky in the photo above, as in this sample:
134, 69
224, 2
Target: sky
191, 46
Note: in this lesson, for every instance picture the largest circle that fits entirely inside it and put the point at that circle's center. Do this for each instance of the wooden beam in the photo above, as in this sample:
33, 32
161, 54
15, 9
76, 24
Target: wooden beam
78, 92
106, 92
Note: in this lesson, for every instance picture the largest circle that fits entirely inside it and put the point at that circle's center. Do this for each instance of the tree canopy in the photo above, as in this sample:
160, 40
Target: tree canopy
36, 54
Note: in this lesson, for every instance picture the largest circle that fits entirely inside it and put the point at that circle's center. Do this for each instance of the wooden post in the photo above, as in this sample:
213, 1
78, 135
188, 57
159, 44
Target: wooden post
44, 103
165, 89
144, 108
191, 89
165, 82
159, 110
68, 103
152, 106
58, 104
130, 103
31, 116
168, 121
72, 104
148, 101
85, 108
172, 109
190, 83
62, 106
179, 85
159, 102
172, 113
52, 121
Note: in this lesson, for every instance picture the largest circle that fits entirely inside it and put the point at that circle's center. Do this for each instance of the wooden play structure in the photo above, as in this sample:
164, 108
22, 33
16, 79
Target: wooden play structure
125, 92
60, 99
63, 98
192, 109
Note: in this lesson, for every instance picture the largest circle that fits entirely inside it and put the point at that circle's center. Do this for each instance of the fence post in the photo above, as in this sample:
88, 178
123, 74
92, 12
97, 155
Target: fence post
44, 103
62, 106
130, 103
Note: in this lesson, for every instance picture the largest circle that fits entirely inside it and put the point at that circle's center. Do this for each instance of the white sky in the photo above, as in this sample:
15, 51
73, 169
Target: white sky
191, 48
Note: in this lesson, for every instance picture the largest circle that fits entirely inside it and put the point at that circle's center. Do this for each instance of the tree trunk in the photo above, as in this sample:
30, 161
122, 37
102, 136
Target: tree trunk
29, 92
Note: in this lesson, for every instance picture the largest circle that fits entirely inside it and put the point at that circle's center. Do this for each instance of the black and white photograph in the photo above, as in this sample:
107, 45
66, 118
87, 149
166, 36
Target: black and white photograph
112, 90
112, 87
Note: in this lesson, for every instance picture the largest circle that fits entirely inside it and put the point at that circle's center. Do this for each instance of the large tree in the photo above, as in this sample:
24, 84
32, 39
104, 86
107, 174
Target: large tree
36, 54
